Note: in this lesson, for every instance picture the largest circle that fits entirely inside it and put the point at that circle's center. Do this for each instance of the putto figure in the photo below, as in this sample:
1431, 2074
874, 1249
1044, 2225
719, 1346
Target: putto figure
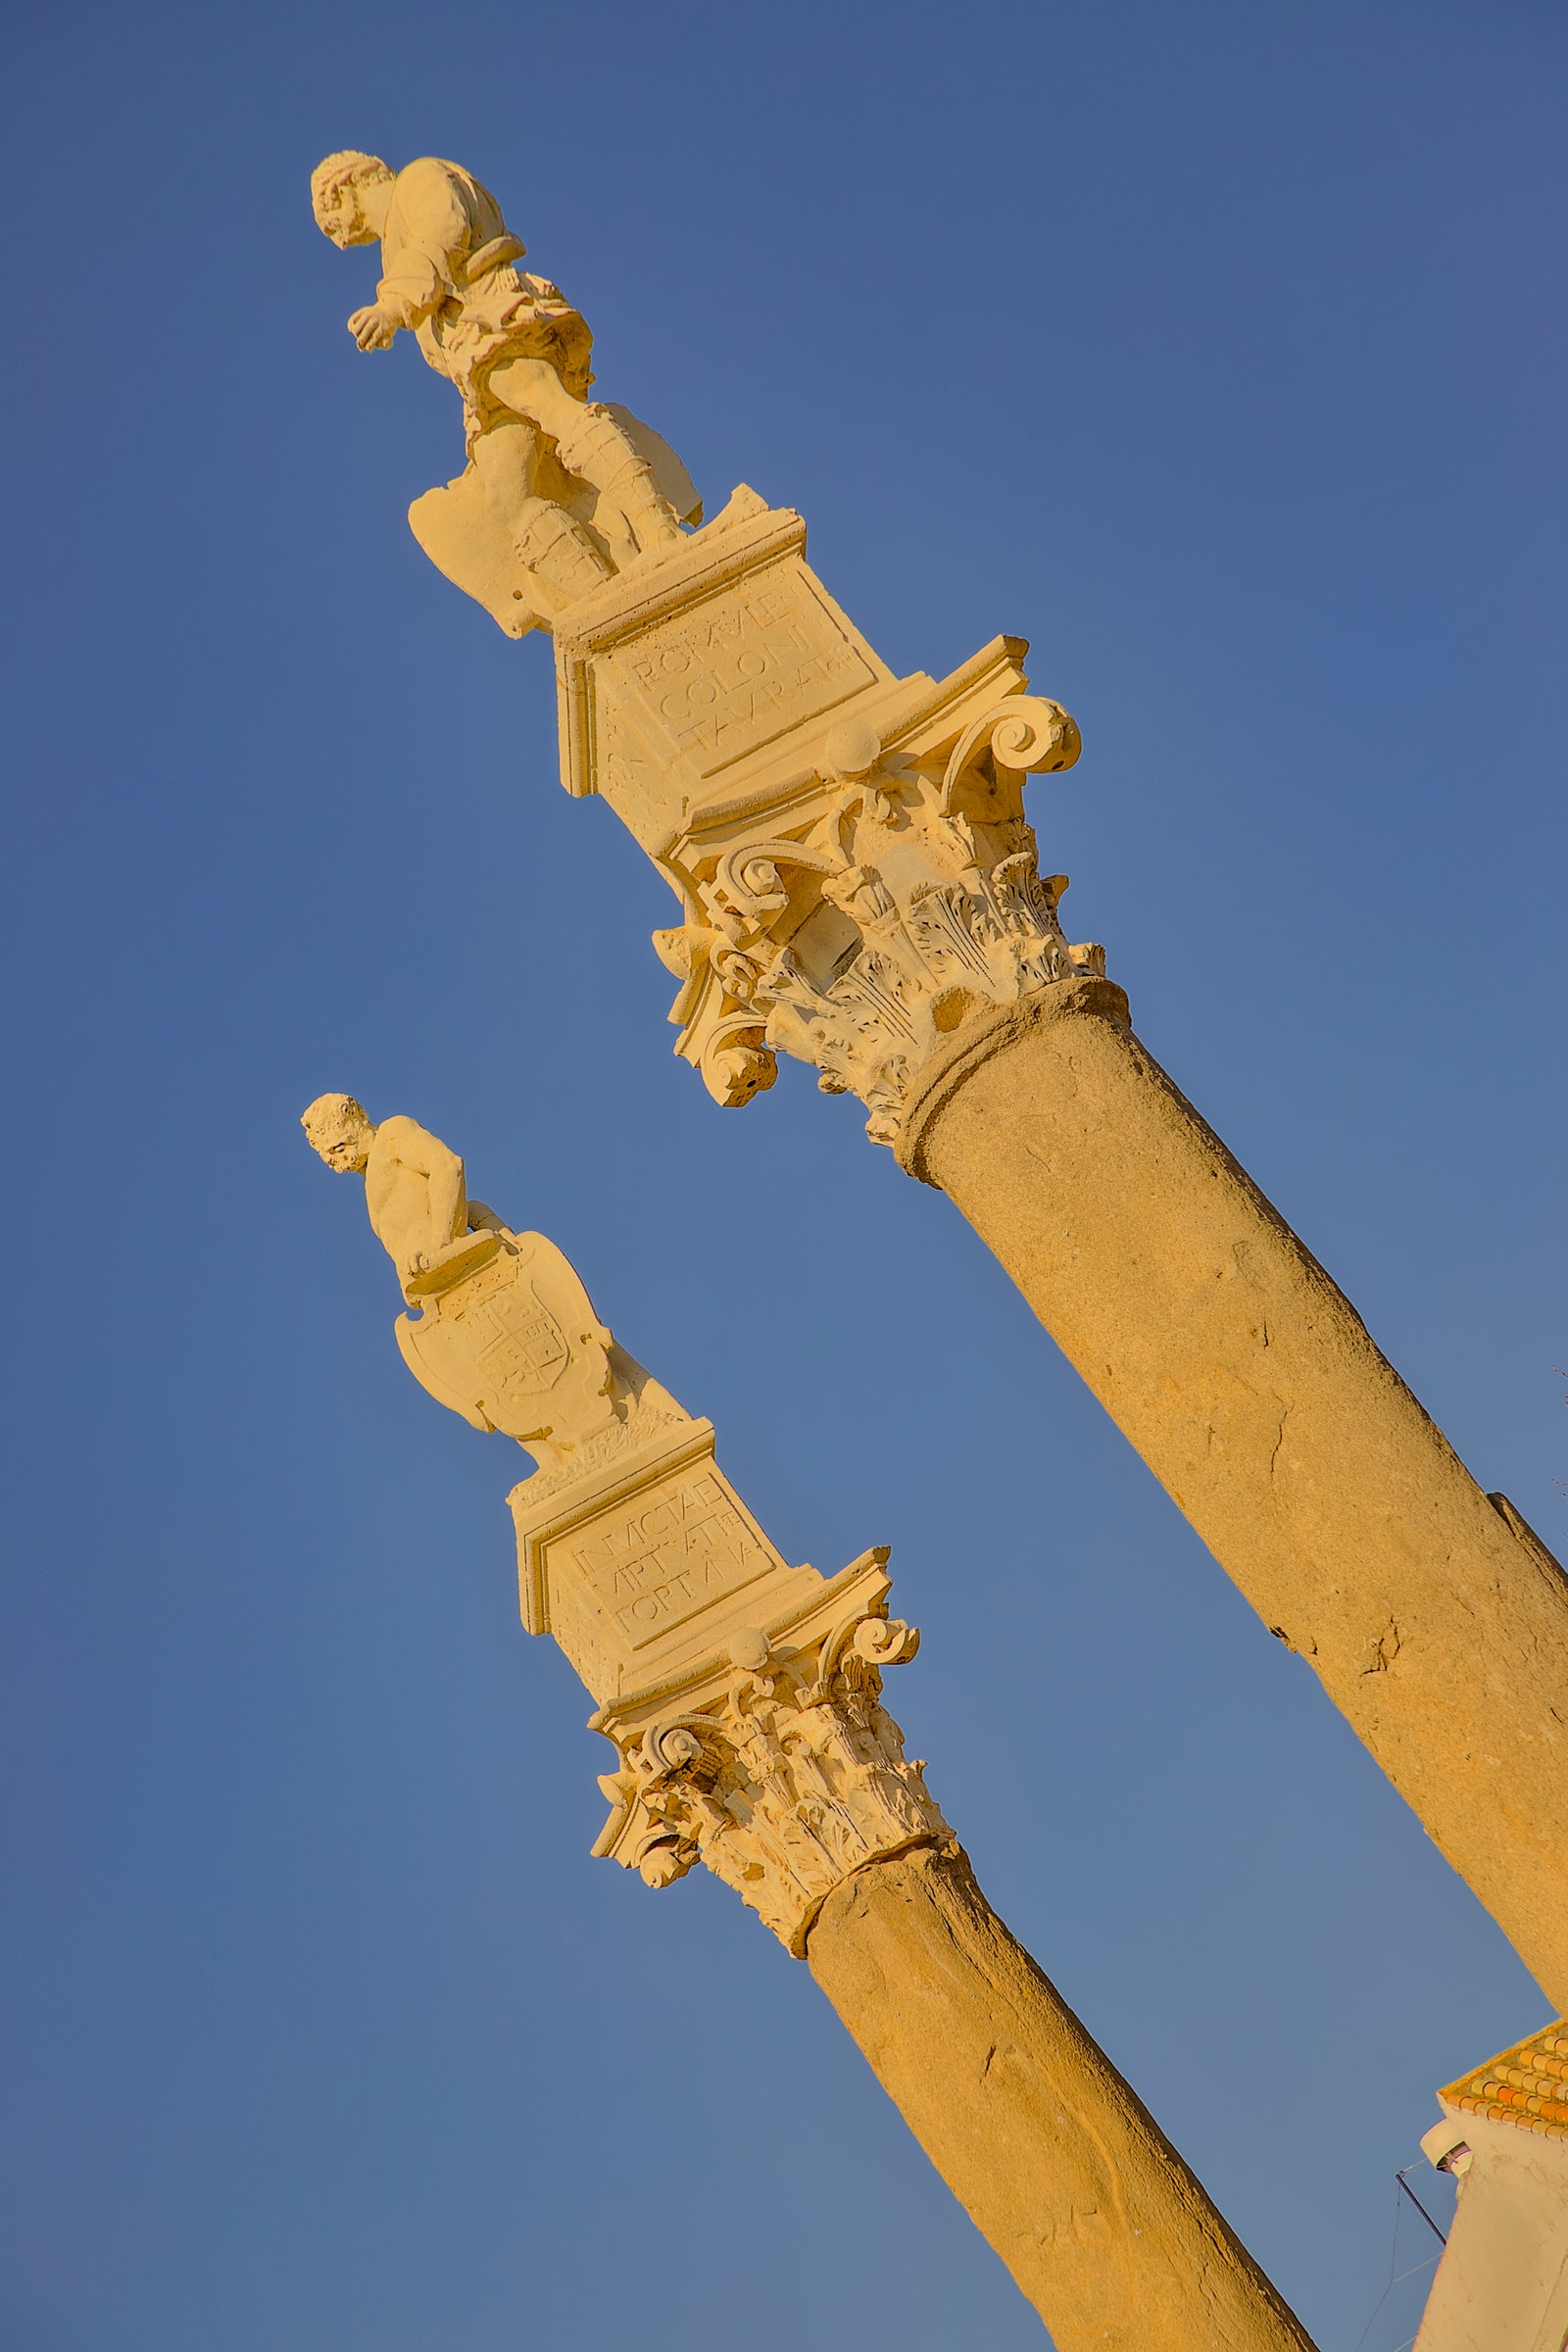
559, 492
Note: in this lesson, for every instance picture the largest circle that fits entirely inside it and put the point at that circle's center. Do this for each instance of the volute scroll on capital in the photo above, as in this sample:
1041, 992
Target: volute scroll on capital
784, 1776
908, 903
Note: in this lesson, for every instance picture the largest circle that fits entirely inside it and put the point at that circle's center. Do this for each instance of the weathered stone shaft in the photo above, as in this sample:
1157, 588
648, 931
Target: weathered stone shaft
1051, 2154
1253, 1389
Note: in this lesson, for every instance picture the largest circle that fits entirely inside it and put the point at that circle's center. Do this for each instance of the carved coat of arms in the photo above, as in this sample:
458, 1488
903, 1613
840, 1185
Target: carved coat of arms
514, 1344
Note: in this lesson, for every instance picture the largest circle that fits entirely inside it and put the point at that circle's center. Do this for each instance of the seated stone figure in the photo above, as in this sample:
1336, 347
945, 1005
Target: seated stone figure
559, 492
414, 1190
504, 1333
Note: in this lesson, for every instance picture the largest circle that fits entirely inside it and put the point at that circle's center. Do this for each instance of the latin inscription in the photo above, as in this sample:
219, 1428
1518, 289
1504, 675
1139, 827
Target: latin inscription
637, 788
744, 669
667, 1560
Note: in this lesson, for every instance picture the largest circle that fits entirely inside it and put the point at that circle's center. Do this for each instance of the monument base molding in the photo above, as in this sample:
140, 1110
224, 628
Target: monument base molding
1434, 1617
1055, 2160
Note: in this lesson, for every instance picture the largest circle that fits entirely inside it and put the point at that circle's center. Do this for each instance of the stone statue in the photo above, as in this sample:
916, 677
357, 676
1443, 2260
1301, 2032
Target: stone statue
559, 493
506, 1334
414, 1187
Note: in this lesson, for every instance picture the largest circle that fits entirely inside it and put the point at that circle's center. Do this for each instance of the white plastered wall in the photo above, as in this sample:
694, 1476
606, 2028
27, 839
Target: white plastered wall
1503, 2283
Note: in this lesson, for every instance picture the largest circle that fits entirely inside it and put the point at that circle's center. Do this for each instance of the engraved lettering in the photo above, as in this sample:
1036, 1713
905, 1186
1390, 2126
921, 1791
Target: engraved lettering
718, 680
652, 1568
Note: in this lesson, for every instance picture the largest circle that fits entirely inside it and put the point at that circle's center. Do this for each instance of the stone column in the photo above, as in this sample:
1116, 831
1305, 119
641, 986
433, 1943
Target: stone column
787, 1777
743, 1699
753, 1740
861, 891
1031, 2127
1431, 1615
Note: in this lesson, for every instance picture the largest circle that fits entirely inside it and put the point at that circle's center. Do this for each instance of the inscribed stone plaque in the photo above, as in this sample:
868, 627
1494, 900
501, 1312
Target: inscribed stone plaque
743, 668
647, 1583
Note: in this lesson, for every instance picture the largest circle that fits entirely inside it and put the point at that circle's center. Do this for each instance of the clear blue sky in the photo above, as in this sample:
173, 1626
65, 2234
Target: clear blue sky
1220, 351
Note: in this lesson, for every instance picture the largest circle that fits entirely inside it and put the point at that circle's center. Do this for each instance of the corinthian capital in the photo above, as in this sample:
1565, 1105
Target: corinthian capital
787, 1775
849, 848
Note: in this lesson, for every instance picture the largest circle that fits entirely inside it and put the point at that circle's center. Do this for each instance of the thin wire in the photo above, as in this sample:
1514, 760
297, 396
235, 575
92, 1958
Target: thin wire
1442, 2235
1389, 2290
1394, 2254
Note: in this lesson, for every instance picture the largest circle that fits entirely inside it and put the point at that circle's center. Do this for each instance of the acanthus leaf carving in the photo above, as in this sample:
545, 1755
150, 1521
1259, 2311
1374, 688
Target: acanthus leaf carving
911, 902
789, 1780
721, 1031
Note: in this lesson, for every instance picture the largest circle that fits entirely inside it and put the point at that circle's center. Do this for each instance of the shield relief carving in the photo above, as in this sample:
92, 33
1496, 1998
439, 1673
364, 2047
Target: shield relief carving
516, 1346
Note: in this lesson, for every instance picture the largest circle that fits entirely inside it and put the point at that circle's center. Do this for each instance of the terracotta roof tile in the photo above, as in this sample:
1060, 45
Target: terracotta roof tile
1526, 2085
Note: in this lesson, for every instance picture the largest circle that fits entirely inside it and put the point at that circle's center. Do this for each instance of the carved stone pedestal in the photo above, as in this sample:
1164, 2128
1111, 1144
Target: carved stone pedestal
743, 1695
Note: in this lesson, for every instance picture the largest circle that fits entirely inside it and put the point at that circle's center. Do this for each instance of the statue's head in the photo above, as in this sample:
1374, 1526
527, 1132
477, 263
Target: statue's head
336, 189
339, 1129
